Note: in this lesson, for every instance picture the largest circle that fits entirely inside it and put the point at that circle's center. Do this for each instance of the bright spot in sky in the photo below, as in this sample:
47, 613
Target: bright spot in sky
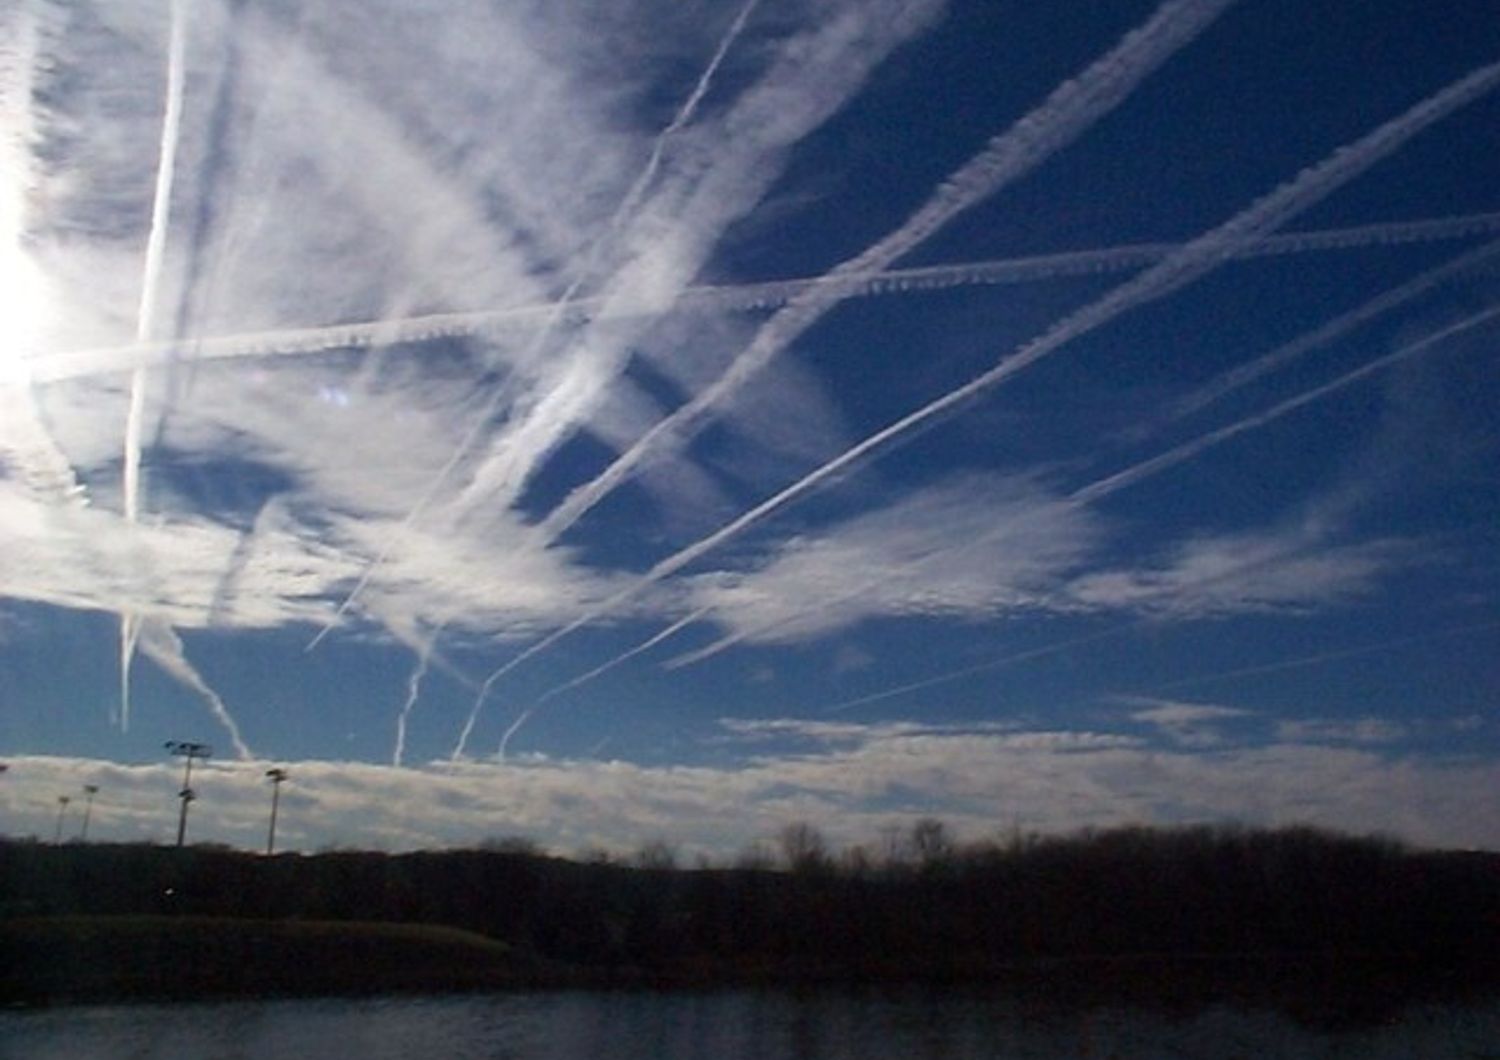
23, 312
23, 320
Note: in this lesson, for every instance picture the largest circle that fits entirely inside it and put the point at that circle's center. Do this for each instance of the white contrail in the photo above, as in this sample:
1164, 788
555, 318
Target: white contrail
539, 428
1327, 656
554, 314
715, 187
1136, 473
413, 689
645, 645
1132, 475
1071, 109
582, 679
1191, 261
156, 242
1187, 264
1395, 297
145, 331
683, 116
992, 664
1188, 450
1127, 627
1319, 336
514, 728
162, 645
1065, 114
729, 640
76, 364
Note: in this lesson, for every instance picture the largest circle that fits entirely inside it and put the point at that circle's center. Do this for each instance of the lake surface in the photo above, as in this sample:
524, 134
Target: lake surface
731, 1025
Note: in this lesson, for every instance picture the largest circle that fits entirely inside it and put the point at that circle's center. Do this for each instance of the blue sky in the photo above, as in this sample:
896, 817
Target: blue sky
683, 420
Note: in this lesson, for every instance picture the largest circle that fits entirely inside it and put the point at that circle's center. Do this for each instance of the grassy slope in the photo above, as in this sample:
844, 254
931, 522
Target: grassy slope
45, 959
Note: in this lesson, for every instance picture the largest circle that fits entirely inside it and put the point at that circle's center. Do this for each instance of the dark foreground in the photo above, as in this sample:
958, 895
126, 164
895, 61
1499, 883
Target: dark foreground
834, 1023
1324, 928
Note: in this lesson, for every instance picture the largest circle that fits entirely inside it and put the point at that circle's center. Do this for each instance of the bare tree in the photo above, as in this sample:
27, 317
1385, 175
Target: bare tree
803, 848
931, 843
656, 854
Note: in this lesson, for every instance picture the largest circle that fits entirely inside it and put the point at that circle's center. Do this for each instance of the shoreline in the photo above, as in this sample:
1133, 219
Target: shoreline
80, 960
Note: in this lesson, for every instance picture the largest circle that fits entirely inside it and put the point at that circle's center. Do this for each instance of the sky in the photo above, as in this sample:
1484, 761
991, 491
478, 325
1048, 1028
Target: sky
675, 420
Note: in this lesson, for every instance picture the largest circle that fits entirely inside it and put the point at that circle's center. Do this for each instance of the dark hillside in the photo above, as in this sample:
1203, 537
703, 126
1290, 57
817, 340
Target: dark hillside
1135, 908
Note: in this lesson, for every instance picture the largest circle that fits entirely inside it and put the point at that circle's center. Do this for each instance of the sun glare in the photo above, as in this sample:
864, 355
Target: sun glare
27, 297
25, 307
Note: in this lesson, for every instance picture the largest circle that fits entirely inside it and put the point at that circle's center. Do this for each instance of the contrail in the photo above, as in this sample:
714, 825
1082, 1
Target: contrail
644, 646
1130, 476
993, 664
1383, 303
769, 294
1071, 109
1119, 481
684, 114
1327, 656
1064, 115
514, 728
553, 693
536, 429
1086, 495
1186, 451
156, 241
729, 640
1191, 261
556, 311
161, 643
539, 429
413, 689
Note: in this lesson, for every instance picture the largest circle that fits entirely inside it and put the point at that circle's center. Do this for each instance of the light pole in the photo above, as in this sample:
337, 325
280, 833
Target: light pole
89, 791
277, 777
188, 751
62, 808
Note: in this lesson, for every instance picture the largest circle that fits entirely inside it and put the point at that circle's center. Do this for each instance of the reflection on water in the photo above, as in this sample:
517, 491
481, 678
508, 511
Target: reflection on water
738, 1025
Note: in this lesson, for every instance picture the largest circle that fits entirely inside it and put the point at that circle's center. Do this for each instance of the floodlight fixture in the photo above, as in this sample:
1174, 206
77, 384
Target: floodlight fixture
189, 752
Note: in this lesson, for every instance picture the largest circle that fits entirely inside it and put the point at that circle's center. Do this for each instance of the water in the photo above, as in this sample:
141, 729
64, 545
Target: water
727, 1026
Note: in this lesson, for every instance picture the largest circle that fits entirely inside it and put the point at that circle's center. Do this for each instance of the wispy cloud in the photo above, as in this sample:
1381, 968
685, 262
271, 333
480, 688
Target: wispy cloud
847, 779
975, 546
700, 302
1342, 731
1281, 569
1194, 260
1066, 113
1189, 724
346, 317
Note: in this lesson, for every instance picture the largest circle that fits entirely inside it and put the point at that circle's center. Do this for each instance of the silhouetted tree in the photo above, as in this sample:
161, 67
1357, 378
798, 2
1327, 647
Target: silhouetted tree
656, 854
931, 844
803, 848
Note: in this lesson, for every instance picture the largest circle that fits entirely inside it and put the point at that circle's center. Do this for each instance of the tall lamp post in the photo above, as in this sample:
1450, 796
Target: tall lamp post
277, 777
89, 791
62, 808
188, 751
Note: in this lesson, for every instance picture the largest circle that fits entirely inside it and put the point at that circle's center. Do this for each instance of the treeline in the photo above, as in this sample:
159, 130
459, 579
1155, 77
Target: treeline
929, 909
